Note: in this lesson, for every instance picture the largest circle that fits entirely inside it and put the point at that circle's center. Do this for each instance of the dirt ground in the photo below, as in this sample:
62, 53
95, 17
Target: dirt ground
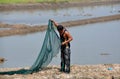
100, 71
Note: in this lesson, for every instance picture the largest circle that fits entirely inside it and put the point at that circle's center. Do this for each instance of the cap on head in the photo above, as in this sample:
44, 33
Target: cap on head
60, 27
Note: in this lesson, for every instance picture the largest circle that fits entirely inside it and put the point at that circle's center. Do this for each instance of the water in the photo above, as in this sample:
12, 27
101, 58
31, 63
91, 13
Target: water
89, 43
5, 29
92, 40
35, 17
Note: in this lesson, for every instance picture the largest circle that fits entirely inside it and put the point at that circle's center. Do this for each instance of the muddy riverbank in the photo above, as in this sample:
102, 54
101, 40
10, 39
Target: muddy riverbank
55, 5
100, 71
19, 29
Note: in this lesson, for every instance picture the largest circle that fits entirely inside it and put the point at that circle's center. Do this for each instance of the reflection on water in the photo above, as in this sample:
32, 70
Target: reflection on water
90, 42
33, 17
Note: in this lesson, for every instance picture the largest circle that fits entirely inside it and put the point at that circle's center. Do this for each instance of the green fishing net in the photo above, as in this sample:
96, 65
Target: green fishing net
50, 48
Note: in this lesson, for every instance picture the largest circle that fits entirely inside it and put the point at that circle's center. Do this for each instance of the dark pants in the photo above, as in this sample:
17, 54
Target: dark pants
65, 59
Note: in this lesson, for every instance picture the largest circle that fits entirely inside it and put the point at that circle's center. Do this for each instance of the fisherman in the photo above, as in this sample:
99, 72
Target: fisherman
65, 38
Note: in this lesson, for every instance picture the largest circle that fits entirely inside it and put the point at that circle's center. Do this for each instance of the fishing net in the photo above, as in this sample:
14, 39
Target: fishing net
50, 48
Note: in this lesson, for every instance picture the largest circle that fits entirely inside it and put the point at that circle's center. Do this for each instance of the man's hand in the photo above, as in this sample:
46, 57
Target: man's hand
51, 20
63, 43
55, 23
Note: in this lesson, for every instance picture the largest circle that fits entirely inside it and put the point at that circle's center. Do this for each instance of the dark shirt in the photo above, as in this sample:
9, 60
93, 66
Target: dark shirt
62, 38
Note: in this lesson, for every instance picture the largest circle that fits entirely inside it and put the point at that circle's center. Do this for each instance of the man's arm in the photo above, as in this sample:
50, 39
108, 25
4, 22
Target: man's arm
70, 38
55, 23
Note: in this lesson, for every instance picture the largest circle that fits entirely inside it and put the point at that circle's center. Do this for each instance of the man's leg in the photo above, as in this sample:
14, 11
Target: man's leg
62, 62
67, 59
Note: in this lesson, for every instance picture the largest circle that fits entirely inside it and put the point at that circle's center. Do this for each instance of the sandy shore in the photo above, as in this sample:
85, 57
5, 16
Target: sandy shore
100, 71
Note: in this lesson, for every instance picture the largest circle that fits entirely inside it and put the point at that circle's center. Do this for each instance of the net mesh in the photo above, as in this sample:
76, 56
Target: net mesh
50, 48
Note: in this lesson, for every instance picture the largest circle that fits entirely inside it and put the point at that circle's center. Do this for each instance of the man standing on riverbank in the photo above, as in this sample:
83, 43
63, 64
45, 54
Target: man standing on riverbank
65, 38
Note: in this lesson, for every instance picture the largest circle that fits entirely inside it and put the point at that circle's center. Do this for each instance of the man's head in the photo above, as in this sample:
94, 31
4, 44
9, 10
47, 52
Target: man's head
60, 27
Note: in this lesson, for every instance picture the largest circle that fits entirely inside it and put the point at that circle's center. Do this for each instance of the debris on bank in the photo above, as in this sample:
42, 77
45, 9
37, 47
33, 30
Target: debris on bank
100, 71
2, 60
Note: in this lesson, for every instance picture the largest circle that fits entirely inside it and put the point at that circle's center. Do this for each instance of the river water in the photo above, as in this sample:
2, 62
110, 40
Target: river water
35, 17
97, 43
